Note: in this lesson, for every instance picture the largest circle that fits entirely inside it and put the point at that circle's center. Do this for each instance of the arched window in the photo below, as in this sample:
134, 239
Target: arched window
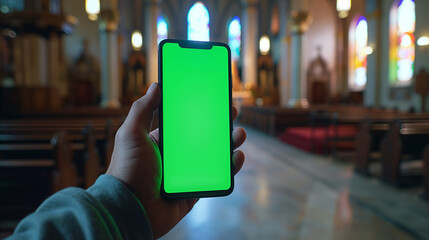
162, 28
198, 23
234, 38
402, 42
358, 64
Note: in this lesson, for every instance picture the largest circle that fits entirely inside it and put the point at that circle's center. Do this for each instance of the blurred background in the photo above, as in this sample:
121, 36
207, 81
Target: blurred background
332, 93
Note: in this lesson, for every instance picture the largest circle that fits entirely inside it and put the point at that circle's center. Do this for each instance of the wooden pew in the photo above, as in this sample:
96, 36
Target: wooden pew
36, 134
82, 141
378, 127
31, 169
273, 120
91, 164
319, 121
335, 135
426, 170
106, 144
402, 149
368, 141
103, 129
65, 174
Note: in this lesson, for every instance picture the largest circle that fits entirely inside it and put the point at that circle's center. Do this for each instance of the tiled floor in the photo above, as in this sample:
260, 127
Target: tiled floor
284, 193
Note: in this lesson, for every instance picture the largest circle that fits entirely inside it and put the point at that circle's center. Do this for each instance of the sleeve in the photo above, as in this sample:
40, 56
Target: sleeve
107, 210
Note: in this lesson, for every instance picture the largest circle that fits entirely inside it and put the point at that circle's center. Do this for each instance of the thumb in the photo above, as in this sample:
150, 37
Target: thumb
141, 112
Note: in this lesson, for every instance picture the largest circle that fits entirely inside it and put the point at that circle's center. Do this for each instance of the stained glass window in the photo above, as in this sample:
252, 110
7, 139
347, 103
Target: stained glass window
402, 42
162, 28
198, 23
234, 38
359, 43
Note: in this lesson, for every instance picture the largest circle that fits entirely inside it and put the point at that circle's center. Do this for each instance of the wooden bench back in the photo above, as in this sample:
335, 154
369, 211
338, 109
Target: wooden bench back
104, 132
82, 143
426, 171
402, 139
31, 169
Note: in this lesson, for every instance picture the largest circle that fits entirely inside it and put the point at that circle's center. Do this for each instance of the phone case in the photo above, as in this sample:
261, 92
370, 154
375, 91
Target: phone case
195, 194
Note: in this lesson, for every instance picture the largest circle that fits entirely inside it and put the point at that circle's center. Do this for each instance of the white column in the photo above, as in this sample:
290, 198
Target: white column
284, 66
151, 39
109, 68
299, 21
250, 42
35, 61
296, 69
372, 91
28, 80
63, 72
109, 57
41, 57
18, 55
54, 60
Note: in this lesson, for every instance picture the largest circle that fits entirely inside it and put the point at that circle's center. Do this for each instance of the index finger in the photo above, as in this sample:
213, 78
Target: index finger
234, 113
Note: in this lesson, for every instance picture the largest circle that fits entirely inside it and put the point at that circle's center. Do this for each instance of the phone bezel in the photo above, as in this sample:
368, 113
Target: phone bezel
197, 45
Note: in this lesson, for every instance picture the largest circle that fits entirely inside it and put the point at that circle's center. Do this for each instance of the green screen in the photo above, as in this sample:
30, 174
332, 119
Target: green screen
196, 119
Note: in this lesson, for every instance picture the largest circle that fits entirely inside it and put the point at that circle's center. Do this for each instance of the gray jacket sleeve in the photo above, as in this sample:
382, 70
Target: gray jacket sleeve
107, 210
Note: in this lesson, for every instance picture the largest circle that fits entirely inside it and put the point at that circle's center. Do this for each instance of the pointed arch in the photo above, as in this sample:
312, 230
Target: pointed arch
198, 23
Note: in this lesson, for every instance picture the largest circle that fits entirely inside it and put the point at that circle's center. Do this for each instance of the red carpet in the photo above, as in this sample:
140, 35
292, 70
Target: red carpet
301, 137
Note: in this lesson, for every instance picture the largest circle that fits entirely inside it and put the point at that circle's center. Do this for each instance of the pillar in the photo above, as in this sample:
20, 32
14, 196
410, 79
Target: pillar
284, 66
151, 39
54, 60
250, 42
372, 90
109, 57
18, 56
34, 61
299, 24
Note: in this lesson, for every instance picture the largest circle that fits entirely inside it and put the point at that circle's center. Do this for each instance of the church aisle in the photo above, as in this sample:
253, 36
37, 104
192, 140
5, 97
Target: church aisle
284, 193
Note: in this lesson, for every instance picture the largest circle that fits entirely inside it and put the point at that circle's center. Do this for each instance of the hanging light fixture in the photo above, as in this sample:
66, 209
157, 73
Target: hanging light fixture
264, 45
368, 50
92, 8
423, 41
343, 7
137, 40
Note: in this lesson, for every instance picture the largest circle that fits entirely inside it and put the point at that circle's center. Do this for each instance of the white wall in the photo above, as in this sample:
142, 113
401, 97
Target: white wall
422, 53
86, 29
320, 33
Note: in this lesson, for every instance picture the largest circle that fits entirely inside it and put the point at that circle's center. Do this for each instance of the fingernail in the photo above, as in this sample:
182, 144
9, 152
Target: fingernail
152, 87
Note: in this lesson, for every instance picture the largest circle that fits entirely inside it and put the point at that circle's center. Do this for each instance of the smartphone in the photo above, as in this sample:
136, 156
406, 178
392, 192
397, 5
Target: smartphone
195, 116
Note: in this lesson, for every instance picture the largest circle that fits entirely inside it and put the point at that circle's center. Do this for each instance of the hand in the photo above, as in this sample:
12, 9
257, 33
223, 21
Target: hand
136, 161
